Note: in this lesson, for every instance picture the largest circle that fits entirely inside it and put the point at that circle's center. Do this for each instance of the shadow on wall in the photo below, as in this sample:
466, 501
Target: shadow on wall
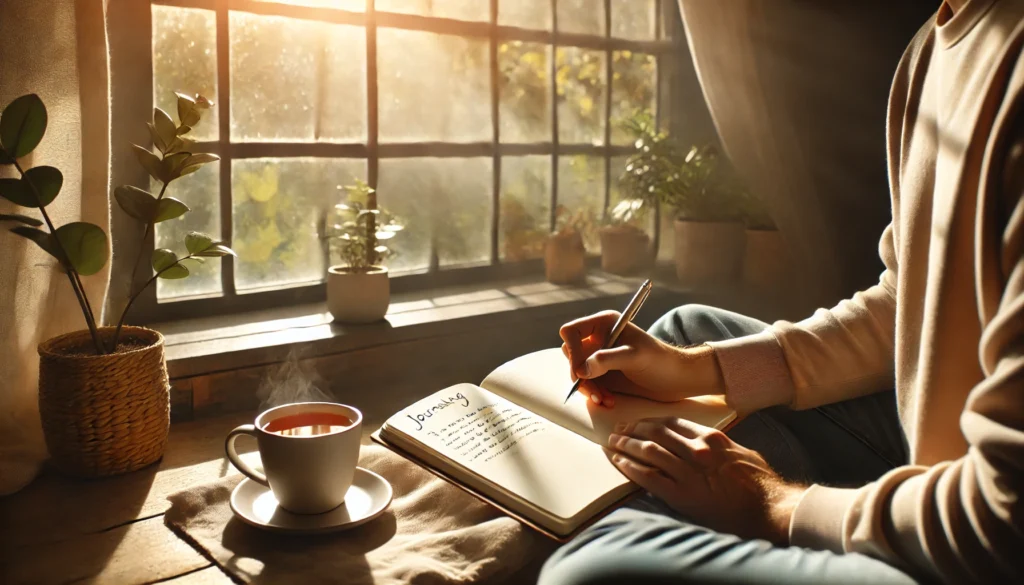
798, 93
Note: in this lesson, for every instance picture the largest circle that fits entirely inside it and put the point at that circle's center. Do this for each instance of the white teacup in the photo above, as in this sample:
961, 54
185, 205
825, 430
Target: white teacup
308, 459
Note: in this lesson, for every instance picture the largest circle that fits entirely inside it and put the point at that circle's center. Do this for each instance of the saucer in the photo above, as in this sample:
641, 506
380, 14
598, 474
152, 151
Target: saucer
370, 494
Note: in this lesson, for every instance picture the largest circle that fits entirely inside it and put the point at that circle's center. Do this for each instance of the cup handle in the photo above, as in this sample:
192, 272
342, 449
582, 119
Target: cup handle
229, 447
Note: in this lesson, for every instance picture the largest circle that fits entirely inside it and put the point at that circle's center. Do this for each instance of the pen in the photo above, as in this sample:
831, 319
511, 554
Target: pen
627, 315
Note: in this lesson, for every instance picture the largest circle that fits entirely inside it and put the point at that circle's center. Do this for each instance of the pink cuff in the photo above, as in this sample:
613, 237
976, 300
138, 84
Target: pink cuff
755, 372
818, 519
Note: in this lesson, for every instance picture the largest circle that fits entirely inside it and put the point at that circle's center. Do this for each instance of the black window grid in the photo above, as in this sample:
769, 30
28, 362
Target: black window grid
150, 309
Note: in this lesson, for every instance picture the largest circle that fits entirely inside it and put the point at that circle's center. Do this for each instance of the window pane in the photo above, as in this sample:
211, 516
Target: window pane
433, 87
581, 16
634, 19
525, 13
185, 60
525, 207
279, 207
201, 192
525, 109
444, 200
460, 9
634, 83
353, 5
615, 194
581, 193
296, 80
581, 93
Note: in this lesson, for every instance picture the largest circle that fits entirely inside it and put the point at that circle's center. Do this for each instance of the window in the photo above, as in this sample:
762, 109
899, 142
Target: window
473, 119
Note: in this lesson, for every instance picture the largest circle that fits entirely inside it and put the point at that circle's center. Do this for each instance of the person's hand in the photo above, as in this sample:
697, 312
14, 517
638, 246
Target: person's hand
701, 473
638, 364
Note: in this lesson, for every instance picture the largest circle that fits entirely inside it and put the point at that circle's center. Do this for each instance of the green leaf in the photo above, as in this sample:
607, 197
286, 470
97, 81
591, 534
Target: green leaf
196, 242
158, 140
20, 218
85, 245
196, 162
217, 251
22, 125
170, 167
162, 258
182, 130
164, 126
188, 113
135, 202
41, 238
149, 161
18, 192
166, 265
47, 180
169, 208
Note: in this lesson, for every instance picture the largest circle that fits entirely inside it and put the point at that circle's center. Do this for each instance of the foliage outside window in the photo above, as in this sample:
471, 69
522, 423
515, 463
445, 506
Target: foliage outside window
301, 109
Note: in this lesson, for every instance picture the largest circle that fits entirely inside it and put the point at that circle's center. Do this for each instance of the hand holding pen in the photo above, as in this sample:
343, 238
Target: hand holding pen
638, 364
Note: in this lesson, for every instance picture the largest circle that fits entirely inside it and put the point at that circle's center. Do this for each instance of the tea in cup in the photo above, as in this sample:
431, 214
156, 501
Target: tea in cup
309, 452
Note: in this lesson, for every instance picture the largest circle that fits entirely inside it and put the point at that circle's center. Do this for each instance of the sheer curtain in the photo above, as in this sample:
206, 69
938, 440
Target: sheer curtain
56, 49
798, 92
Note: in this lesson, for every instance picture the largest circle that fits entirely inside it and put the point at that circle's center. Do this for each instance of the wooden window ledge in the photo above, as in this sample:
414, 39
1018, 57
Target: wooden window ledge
429, 339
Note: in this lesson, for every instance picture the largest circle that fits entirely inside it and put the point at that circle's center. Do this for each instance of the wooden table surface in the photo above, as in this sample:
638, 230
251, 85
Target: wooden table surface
62, 530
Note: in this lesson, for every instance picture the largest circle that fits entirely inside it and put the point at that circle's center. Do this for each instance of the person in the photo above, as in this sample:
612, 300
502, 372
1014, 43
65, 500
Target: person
832, 475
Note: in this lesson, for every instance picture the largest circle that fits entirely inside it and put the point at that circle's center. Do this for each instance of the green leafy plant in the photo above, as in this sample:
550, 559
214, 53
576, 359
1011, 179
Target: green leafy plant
582, 221
361, 227
698, 185
755, 213
81, 248
627, 213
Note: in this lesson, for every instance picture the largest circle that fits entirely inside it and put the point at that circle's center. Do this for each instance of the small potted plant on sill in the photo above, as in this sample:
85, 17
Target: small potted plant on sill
565, 257
765, 260
103, 392
625, 247
358, 289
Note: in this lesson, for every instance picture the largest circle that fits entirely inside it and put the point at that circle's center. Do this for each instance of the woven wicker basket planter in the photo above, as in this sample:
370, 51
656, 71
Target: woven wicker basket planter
109, 414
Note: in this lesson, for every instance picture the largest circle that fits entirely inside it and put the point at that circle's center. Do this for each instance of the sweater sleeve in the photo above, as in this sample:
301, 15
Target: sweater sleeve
836, 354
960, 520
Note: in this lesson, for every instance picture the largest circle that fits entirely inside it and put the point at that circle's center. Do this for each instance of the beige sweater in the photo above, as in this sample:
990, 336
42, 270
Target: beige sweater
946, 321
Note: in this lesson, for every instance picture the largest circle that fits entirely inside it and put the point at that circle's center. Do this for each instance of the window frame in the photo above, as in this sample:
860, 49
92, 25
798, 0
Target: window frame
147, 307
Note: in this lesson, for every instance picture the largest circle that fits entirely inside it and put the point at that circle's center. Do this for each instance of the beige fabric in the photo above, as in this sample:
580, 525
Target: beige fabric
433, 532
56, 49
946, 322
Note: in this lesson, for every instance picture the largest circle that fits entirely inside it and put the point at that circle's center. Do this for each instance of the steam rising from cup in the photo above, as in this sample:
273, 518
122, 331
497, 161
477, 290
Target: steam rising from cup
293, 381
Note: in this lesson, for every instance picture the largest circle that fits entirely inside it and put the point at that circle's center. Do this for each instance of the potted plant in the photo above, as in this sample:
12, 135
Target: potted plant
565, 258
702, 195
103, 391
765, 259
358, 289
625, 246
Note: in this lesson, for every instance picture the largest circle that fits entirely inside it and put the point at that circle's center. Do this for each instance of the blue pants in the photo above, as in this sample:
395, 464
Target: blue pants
845, 444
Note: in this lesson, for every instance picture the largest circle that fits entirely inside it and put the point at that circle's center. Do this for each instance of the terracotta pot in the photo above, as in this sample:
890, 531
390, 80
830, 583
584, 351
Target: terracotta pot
708, 253
666, 237
104, 414
766, 261
565, 260
624, 249
358, 296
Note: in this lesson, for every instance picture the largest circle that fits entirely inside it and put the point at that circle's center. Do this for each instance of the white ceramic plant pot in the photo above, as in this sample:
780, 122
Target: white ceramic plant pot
709, 253
358, 297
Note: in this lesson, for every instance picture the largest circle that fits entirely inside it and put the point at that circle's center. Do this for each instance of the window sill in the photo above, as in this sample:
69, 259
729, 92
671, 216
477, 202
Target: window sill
429, 339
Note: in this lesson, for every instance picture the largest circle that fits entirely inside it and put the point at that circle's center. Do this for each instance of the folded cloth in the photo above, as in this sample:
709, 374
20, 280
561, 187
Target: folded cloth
433, 532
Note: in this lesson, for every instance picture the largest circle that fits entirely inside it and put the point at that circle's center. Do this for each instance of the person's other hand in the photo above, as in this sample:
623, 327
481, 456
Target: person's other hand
703, 474
638, 364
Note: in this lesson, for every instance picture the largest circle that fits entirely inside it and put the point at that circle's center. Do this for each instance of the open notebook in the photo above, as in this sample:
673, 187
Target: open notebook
512, 442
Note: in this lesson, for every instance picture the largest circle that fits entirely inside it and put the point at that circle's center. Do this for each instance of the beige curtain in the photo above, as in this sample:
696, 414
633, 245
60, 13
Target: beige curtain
57, 49
798, 91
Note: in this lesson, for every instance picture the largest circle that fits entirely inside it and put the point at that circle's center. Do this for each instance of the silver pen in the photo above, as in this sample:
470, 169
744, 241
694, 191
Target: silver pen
627, 315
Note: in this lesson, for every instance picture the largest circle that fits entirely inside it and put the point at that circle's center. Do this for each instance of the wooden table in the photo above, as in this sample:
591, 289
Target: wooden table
60, 530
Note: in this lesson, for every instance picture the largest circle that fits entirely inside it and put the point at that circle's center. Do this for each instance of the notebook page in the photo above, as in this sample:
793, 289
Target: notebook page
511, 448
540, 381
